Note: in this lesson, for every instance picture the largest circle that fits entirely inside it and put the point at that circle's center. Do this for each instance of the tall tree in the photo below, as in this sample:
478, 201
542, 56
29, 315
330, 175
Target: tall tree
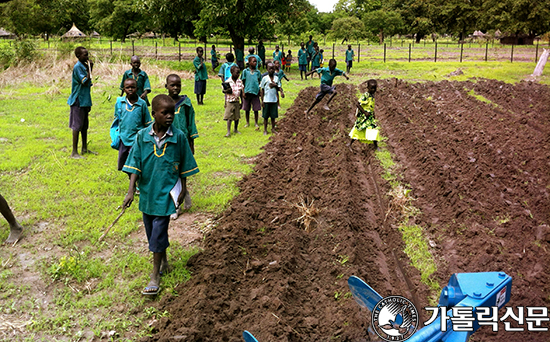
383, 22
517, 16
417, 15
350, 28
458, 17
173, 17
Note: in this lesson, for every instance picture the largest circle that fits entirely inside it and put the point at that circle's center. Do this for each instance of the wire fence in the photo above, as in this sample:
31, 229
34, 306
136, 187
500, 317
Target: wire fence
392, 50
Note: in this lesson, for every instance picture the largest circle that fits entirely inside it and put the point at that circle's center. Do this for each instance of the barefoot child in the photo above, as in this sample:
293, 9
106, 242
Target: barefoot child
280, 74
160, 159
349, 58
251, 79
316, 59
327, 78
214, 58
143, 84
365, 116
277, 55
133, 116
302, 60
80, 101
15, 228
234, 98
268, 92
184, 120
251, 54
288, 60
201, 75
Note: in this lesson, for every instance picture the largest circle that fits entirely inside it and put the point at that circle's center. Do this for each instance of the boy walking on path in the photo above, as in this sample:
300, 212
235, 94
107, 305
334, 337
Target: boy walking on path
302, 60
16, 230
365, 117
233, 100
80, 101
143, 84
349, 58
184, 120
269, 87
161, 159
201, 75
327, 78
251, 78
133, 115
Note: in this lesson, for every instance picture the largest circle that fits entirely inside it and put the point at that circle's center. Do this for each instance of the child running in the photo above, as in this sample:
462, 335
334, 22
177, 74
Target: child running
133, 115
251, 79
268, 92
80, 101
277, 55
280, 74
184, 120
201, 75
349, 58
302, 60
157, 146
316, 59
327, 78
365, 116
234, 98
143, 84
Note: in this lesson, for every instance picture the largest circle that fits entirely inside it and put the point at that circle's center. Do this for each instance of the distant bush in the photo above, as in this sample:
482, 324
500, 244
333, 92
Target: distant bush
20, 51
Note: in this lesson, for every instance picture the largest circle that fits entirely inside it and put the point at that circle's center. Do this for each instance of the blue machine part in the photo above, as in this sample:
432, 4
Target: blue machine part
248, 337
363, 294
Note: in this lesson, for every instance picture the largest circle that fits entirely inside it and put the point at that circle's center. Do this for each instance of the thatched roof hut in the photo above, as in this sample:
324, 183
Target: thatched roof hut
74, 32
95, 34
5, 34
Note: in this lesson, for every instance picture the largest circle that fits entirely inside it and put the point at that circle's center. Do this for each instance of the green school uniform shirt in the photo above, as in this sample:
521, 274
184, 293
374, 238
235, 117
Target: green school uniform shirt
132, 119
309, 47
327, 77
214, 57
201, 74
80, 87
281, 74
158, 169
302, 56
270, 94
251, 80
316, 60
349, 55
258, 59
277, 55
142, 81
363, 121
184, 118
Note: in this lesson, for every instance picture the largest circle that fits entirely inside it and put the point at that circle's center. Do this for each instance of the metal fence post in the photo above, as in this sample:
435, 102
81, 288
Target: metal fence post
358, 53
461, 51
409, 53
486, 50
384, 52
133, 52
156, 51
537, 53
333, 50
512, 54
179, 51
111, 42
435, 55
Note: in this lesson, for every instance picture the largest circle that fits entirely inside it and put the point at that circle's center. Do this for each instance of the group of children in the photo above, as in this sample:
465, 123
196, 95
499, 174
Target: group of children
156, 149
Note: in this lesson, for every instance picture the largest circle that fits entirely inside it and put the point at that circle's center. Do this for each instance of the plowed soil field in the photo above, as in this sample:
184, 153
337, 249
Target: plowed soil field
478, 168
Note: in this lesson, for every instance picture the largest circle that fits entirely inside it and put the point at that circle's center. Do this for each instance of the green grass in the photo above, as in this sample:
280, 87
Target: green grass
77, 199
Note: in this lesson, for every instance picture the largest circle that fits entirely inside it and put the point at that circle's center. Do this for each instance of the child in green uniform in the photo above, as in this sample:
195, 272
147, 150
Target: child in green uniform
349, 58
162, 160
327, 78
214, 58
184, 120
133, 115
251, 78
261, 51
316, 59
365, 116
143, 84
277, 55
239, 56
259, 61
80, 101
269, 87
302, 60
201, 75
281, 75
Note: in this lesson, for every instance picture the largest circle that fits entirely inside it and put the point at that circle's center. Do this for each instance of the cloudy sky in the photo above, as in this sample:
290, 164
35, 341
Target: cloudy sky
324, 5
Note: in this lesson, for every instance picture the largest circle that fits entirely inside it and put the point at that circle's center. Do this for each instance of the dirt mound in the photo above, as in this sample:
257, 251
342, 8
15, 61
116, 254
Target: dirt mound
262, 271
477, 156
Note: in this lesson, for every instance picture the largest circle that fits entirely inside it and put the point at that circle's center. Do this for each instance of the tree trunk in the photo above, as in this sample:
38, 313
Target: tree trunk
381, 36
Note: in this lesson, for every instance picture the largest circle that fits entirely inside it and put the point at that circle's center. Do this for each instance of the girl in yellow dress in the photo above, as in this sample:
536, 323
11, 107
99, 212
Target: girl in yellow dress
365, 117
